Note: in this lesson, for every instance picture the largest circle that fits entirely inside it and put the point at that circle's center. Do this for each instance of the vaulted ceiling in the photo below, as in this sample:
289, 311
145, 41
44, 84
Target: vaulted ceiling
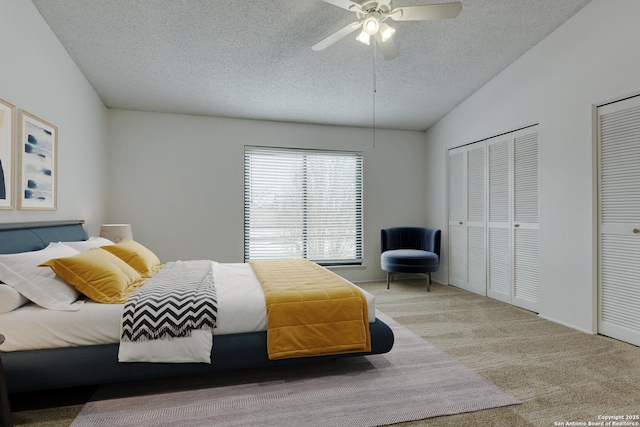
253, 58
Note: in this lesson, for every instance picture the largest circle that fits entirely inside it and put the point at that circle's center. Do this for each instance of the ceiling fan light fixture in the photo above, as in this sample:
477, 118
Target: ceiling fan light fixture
371, 24
386, 31
372, 14
364, 38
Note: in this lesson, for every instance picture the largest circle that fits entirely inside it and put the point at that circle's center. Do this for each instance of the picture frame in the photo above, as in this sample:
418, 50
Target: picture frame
7, 161
38, 163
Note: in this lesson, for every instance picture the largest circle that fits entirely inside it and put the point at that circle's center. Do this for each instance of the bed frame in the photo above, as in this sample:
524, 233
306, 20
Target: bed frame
98, 364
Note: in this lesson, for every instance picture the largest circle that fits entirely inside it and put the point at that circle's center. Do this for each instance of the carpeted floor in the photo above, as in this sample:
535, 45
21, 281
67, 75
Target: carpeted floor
560, 375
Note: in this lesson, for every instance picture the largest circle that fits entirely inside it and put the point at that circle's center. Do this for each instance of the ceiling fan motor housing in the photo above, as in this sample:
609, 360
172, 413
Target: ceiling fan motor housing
369, 6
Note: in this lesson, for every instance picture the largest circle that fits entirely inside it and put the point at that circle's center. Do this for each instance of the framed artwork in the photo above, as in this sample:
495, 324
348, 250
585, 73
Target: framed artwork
7, 141
38, 163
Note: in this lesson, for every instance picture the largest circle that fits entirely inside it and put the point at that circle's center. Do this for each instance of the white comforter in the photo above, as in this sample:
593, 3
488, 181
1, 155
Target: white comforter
241, 308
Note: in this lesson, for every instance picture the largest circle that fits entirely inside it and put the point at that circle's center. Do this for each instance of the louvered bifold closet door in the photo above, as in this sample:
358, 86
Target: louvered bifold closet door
476, 223
457, 216
526, 261
499, 278
619, 202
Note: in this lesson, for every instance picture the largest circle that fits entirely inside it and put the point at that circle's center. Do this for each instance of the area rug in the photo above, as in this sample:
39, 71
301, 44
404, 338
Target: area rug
413, 381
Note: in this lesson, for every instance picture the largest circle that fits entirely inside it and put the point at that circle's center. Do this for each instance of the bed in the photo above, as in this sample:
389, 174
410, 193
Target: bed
58, 367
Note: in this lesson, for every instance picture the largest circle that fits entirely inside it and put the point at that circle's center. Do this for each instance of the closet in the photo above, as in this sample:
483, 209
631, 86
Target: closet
493, 217
618, 132
467, 213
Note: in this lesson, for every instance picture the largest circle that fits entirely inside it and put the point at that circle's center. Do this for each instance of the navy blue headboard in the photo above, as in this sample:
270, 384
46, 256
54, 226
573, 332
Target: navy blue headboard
32, 236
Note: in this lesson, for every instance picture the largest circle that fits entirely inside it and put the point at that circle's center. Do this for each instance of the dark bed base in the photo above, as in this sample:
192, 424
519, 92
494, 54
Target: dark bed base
75, 366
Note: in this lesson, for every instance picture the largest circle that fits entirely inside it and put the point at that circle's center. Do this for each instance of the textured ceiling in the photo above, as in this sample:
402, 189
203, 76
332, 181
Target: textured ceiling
253, 58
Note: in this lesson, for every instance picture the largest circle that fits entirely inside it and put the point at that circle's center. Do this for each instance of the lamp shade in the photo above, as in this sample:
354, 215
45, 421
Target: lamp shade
116, 232
371, 24
386, 31
364, 38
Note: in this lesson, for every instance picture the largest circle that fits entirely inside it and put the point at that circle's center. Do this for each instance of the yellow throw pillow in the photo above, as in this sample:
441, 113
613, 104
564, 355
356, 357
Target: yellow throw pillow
137, 256
101, 276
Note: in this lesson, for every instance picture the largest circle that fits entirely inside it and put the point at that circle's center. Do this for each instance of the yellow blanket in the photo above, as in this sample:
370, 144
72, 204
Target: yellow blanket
311, 311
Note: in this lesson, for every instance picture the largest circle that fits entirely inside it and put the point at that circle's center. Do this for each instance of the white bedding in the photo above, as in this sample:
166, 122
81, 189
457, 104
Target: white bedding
241, 308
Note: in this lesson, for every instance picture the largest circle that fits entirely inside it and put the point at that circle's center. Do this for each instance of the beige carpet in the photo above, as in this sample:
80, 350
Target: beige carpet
560, 375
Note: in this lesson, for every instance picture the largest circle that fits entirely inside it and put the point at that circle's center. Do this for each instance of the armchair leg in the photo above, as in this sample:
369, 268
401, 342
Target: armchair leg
388, 278
428, 282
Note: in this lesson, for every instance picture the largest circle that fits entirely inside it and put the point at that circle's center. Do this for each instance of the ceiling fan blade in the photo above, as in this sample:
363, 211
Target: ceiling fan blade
388, 48
426, 12
345, 4
322, 44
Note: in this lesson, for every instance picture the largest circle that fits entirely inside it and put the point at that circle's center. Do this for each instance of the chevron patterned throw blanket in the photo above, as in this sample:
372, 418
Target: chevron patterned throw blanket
178, 299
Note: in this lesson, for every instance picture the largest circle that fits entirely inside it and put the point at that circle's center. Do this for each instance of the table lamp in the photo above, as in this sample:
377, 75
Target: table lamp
116, 232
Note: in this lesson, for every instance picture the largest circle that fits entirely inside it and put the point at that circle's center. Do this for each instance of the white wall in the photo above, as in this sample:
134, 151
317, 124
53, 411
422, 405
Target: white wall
179, 180
38, 75
591, 59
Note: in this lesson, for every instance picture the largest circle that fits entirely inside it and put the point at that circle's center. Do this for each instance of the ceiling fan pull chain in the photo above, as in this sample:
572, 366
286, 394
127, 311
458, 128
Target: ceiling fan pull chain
375, 89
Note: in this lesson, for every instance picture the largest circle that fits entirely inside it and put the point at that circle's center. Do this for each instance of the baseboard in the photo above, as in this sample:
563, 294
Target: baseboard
550, 319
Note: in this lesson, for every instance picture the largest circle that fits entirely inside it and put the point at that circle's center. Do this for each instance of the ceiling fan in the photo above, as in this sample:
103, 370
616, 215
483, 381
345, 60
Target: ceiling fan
372, 14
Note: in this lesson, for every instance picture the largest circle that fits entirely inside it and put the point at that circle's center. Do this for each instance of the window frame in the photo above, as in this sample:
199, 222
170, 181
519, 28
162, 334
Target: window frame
305, 156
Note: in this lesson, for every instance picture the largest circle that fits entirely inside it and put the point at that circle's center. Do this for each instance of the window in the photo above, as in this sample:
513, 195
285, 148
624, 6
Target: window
303, 204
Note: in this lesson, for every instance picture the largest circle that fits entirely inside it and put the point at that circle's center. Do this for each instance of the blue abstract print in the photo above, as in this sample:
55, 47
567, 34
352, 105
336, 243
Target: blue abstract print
37, 164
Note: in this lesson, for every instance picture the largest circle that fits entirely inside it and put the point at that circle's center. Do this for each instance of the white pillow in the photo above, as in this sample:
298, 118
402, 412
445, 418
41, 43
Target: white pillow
85, 245
40, 284
10, 299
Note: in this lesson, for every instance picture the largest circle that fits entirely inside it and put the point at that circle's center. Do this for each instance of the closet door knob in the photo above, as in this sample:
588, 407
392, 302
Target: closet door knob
516, 225
635, 230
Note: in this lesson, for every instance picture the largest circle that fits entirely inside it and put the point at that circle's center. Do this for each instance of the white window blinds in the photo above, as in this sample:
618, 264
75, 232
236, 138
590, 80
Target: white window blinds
303, 204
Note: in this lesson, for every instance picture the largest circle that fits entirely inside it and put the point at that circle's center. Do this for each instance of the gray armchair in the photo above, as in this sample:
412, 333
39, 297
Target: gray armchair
410, 250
